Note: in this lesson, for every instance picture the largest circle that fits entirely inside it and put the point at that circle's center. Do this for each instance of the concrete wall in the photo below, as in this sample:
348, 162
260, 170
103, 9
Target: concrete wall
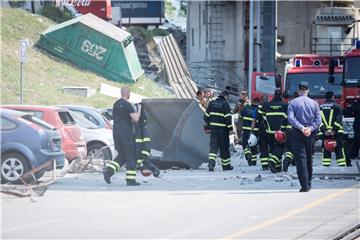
294, 25
198, 54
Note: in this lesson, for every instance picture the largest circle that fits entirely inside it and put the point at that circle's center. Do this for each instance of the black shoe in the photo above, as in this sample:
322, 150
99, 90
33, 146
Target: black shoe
227, 168
304, 190
272, 167
265, 168
154, 170
211, 166
286, 164
107, 174
132, 183
253, 163
248, 159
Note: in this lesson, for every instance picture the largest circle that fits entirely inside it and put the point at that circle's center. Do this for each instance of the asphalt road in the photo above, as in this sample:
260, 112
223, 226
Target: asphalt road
185, 204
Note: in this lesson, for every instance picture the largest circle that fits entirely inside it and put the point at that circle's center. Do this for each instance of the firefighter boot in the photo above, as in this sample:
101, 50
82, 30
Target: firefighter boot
155, 171
286, 164
211, 165
265, 167
272, 167
227, 168
248, 158
132, 182
108, 172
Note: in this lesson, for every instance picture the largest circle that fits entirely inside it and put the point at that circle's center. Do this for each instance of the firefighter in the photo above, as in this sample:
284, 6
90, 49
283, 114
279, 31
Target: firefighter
143, 145
331, 128
247, 116
218, 119
259, 121
243, 101
275, 112
288, 155
124, 114
354, 111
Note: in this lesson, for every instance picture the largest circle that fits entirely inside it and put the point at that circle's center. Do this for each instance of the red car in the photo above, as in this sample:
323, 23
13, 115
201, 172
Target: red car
73, 143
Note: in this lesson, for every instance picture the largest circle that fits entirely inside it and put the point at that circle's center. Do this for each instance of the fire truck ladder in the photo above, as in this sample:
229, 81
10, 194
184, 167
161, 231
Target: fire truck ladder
216, 44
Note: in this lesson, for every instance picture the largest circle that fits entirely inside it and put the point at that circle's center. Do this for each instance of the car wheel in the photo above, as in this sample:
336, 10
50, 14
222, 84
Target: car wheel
104, 154
13, 166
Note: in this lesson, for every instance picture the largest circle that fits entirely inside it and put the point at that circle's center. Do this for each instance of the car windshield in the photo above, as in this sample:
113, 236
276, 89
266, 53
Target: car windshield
352, 70
66, 118
317, 81
37, 121
265, 84
82, 122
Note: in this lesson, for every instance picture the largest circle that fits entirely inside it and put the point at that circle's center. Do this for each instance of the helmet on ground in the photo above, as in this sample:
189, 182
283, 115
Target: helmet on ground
145, 172
252, 141
330, 145
280, 136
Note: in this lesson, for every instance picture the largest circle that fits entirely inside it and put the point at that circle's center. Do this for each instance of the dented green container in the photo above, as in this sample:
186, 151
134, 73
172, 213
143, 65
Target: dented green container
96, 45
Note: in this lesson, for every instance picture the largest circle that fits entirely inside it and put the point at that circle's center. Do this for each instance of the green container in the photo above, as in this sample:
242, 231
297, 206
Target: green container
96, 45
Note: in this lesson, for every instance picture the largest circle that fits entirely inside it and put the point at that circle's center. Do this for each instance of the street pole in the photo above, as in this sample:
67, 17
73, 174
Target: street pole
258, 36
24, 43
251, 47
21, 83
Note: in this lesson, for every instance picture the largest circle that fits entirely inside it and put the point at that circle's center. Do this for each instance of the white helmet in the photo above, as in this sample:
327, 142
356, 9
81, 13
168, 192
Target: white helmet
252, 140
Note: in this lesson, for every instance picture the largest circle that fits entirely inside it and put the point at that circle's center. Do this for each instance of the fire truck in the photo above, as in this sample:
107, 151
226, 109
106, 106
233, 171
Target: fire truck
350, 82
302, 67
315, 70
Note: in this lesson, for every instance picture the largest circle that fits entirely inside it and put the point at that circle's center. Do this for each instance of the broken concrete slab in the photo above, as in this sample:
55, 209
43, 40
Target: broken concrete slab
79, 90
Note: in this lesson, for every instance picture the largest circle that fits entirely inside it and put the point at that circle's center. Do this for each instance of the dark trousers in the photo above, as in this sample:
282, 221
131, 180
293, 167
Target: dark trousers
276, 150
264, 148
339, 152
356, 143
303, 148
126, 148
219, 140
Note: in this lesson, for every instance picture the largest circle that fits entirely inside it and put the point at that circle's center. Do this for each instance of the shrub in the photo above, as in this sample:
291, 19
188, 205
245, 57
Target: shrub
54, 13
17, 3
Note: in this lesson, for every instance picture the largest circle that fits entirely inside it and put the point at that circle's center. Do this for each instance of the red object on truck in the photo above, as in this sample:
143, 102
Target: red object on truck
100, 8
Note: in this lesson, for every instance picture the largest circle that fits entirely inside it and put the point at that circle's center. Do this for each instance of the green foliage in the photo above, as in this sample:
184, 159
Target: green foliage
17, 3
54, 13
159, 32
141, 32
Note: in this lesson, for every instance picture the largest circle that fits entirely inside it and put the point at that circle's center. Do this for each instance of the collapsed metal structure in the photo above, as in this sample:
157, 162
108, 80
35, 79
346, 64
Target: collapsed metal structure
176, 129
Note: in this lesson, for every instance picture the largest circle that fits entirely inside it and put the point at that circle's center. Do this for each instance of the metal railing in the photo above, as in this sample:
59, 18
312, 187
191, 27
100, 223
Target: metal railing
331, 46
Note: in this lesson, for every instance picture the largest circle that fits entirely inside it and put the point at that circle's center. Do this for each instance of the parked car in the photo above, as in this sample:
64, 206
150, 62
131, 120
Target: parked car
96, 138
92, 114
73, 144
27, 142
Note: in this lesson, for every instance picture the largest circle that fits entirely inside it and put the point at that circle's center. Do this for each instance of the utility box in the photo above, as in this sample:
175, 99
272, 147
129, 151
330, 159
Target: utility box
96, 45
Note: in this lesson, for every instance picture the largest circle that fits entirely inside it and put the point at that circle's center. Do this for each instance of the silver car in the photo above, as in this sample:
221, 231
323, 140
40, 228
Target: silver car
96, 138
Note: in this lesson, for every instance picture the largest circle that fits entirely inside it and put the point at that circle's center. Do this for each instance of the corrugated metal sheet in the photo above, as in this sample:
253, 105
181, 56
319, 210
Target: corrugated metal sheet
176, 70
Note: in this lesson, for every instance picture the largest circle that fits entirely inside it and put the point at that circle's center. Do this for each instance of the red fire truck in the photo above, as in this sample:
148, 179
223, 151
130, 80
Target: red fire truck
315, 70
350, 83
100, 8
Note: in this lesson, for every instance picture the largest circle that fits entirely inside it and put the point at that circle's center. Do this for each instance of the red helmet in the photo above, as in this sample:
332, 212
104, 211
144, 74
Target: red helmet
145, 172
280, 136
330, 145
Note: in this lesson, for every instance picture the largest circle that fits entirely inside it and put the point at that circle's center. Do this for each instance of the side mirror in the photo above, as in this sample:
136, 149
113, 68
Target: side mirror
278, 81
